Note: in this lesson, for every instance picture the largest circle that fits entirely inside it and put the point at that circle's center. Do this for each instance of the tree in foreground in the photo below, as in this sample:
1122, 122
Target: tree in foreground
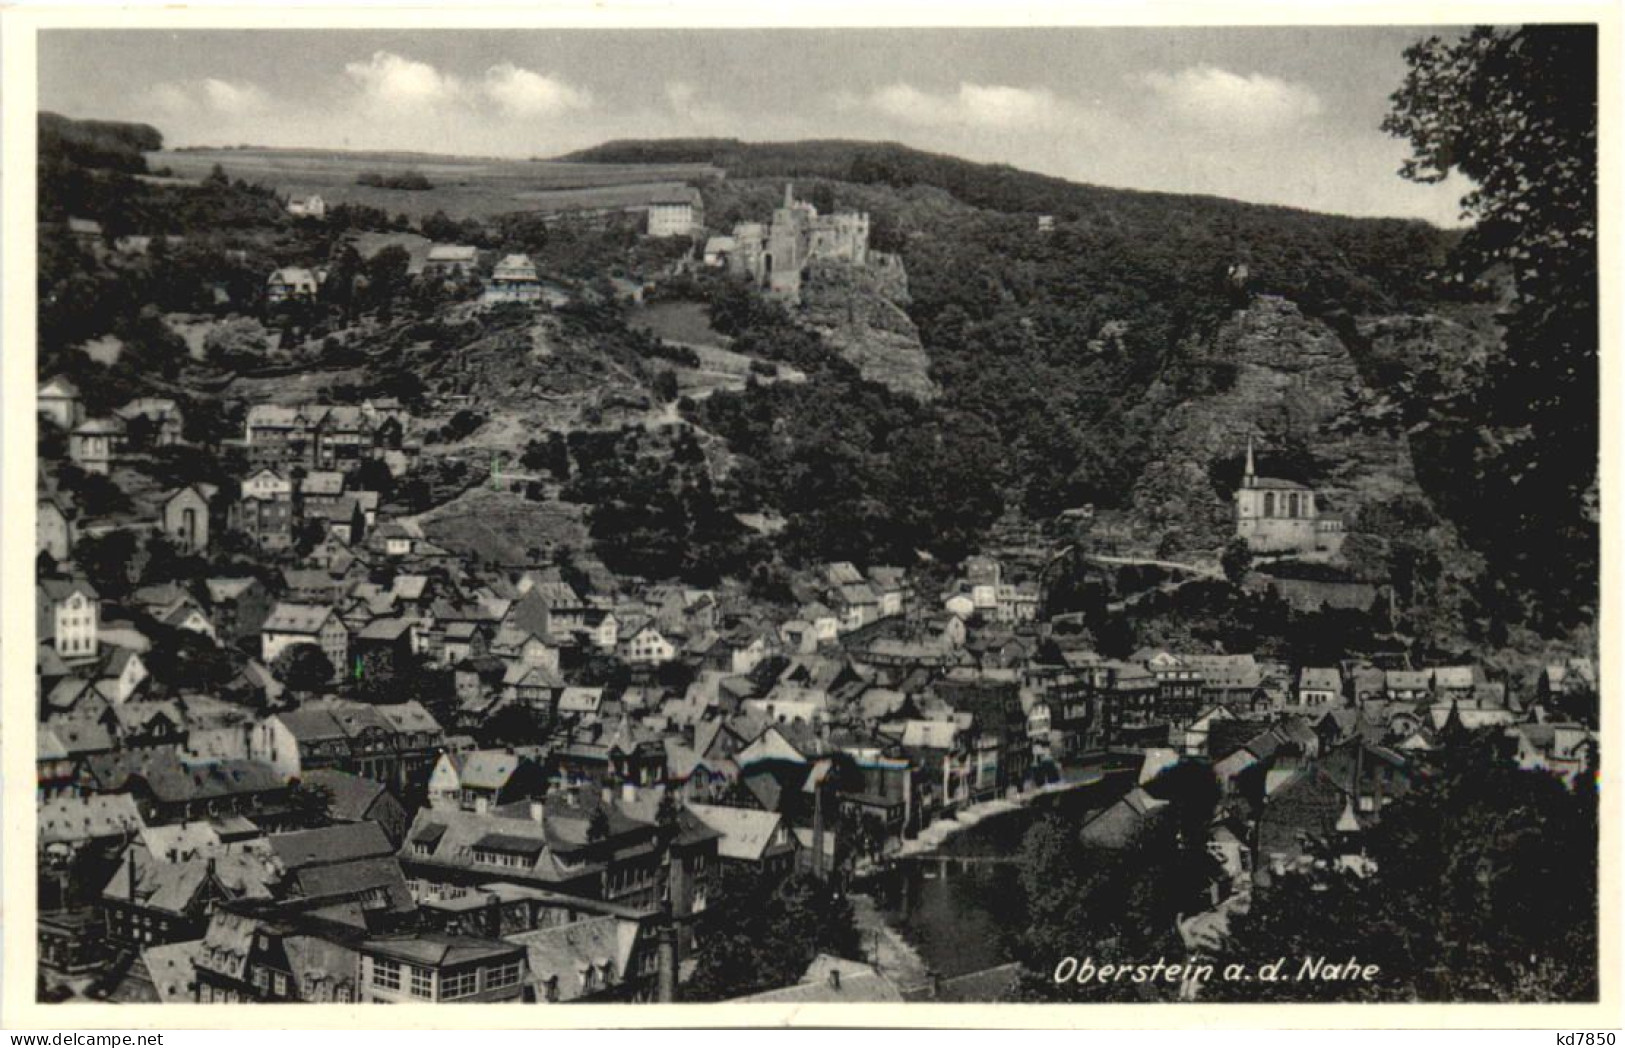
760, 931
1514, 111
1485, 889
303, 667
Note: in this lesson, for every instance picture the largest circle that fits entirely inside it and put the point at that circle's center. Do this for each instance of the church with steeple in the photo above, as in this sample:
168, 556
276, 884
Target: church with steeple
1283, 516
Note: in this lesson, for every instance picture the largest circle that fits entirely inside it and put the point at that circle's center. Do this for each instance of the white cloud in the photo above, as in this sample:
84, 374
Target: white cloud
1210, 97
389, 79
207, 97
996, 106
522, 92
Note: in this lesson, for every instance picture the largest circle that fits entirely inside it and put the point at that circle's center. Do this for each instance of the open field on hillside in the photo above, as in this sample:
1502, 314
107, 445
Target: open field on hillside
463, 187
502, 526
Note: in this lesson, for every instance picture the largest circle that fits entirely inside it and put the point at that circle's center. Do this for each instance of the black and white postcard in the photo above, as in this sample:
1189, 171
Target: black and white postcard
860, 516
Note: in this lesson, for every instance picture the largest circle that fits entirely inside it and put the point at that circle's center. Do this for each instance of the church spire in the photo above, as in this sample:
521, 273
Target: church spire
1248, 477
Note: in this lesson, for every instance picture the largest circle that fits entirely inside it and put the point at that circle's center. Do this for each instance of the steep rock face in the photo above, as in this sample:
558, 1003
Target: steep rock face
1288, 382
860, 312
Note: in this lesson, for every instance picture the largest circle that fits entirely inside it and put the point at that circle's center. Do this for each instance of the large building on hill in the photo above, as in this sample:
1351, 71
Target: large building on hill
1281, 516
775, 256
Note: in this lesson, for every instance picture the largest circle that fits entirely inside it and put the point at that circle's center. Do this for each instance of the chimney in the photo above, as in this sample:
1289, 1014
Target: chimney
481, 805
629, 793
835, 978
666, 961
130, 873
493, 916
537, 811
818, 832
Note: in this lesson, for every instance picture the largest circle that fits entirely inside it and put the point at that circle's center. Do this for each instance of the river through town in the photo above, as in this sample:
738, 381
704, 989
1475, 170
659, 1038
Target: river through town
961, 905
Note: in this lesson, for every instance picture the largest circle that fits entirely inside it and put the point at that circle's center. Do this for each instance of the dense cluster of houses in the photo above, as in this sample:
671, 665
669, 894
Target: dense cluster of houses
549, 831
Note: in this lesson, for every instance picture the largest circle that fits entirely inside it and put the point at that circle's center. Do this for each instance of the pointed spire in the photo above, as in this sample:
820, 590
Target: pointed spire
1248, 477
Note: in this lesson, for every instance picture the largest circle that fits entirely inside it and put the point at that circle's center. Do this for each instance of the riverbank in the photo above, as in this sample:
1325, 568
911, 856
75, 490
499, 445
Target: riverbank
885, 948
938, 833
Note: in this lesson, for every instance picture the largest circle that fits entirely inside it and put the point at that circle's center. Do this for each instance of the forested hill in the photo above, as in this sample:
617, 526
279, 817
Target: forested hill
1124, 358
1359, 263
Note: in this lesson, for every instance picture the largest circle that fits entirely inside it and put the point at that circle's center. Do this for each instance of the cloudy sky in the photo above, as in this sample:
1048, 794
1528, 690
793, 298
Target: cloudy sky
1276, 115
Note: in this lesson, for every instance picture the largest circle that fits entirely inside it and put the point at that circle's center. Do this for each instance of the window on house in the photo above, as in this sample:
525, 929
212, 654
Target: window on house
386, 974
279, 984
461, 984
422, 982
261, 978
502, 976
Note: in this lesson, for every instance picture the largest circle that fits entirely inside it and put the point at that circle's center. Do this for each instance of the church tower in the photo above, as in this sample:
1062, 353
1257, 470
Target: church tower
1249, 479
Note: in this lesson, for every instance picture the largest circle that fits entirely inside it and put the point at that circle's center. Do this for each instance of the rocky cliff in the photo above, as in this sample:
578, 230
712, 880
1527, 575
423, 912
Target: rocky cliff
1289, 382
861, 313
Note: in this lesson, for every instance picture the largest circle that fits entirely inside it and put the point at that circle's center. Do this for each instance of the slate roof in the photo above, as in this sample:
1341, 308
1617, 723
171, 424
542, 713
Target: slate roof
930, 735
452, 253
1458, 677
440, 950
173, 886
747, 834
391, 629
352, 796
1277, 484
181, 840
561, 957
289, 617
226, 944
330, 845
322, 482
74, 736
173, 970
355, 878
312, 958
1407, 680
1318, 678
580, 700
58, 590
173, 781
511, 844
452, 836
1122, 821
75, 819
1226, 671
485, 769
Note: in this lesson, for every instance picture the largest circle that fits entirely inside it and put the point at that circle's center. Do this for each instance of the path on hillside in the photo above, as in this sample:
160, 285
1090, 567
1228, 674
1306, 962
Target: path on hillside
1207, 571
